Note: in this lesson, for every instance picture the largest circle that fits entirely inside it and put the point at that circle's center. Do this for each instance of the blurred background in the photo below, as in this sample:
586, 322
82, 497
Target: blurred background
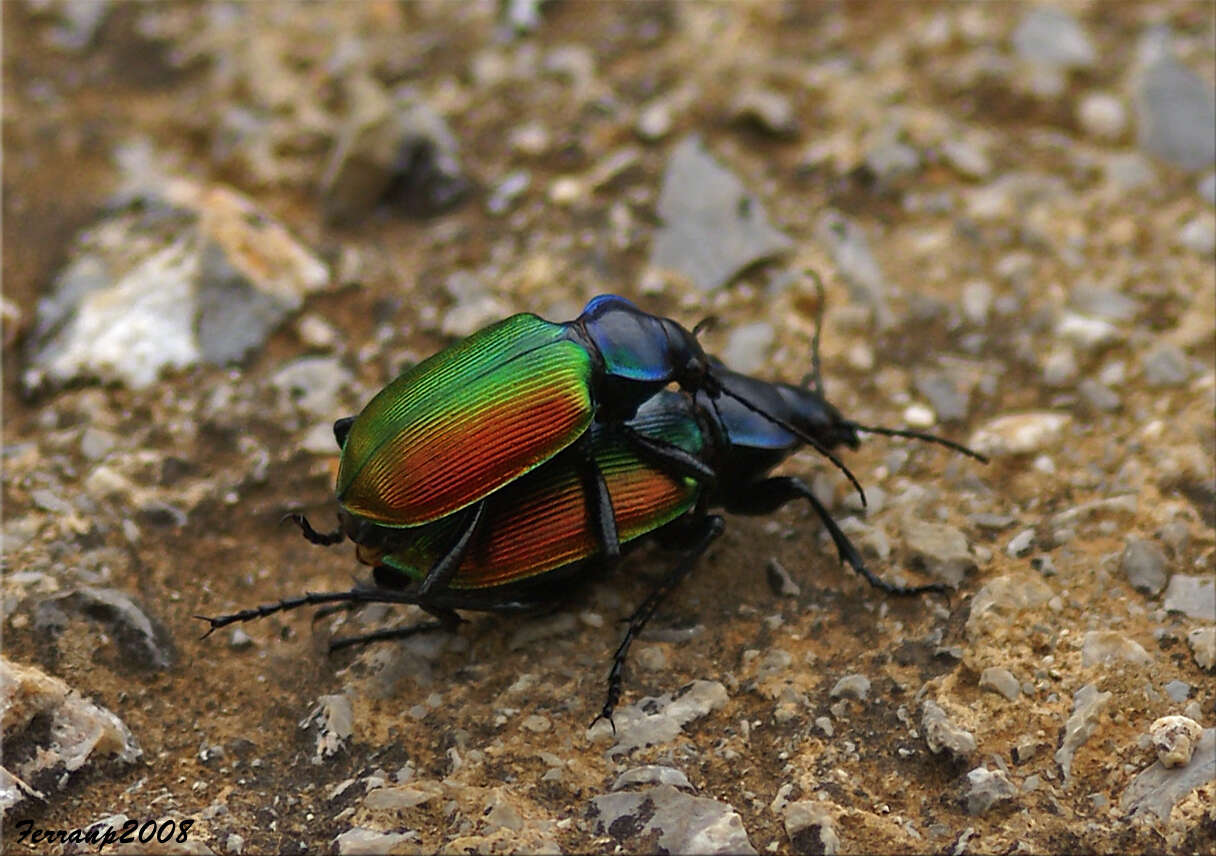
226, 225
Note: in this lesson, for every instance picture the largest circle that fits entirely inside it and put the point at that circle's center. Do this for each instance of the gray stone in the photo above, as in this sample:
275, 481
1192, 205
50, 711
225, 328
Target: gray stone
942, 734
986, 788
940, 549
391, 143
394, 798
1052, 37
334, 720
1085, 332
96, 443
1174, 739
1111, 646
1000, 600
1060, 368
1199, 235
1025, 750
511, 187
1098, 396
966, 158
207, 278
663, 819
1193, 596
780, 581
234, 316
1177, 113
1103, 304
653, 721
655, 120
1087, 708
712, 227
1143, 563
811, 827
652, 774
1178, 691
767, 109
1203, 646
142, 642
126, 329
1102, 116
1158, 788
1001, 681
1020, 434
852, 686
1166, 366
55, 730
359, 841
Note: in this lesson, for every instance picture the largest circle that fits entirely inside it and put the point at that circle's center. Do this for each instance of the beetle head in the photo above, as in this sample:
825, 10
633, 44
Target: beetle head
637, 346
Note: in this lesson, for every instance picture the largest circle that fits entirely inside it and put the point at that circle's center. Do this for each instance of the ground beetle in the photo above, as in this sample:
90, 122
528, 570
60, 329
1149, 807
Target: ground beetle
538, 534
474, 417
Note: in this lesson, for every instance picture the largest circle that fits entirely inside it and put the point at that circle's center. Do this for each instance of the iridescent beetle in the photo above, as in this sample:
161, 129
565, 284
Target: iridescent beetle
474, 417
541, 530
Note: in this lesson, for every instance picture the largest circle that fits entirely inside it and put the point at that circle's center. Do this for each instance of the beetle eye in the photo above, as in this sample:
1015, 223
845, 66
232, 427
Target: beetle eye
342, 428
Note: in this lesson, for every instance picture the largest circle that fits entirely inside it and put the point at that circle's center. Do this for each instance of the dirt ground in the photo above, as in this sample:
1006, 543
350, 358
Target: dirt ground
1032, 258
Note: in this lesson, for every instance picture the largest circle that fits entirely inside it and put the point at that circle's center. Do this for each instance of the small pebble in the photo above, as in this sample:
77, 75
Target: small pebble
1194, 596
986, 788
1001, 681
852, 686
1178, 691
1199, 235
1174, 738
1102, 116
1021, 544
1203, 646
1060, 369
1143, 563
1020, 433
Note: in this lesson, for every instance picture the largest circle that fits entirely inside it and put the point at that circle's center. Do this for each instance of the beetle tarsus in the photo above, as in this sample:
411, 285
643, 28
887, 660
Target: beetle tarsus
711, 527
324, 539
358, 594
767, 495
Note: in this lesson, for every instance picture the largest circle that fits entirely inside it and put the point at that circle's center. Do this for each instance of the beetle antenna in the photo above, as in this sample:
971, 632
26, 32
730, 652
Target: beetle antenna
804, 437
918, 435
814, 380
704, 325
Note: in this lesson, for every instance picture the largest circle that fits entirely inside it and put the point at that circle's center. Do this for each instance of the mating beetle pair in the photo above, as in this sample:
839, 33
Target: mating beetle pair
573, 448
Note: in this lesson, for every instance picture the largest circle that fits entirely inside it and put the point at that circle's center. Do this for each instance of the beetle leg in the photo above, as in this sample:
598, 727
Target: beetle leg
358, 594
671, 459
600, 512
324, 539
711, 527
767, 495
441, 573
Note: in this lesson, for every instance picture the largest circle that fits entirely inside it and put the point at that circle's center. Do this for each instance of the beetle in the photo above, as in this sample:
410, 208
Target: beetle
539, 532
474, 417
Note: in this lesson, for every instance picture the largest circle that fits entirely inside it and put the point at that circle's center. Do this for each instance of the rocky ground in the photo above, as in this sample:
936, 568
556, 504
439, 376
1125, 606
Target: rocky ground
226, 225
